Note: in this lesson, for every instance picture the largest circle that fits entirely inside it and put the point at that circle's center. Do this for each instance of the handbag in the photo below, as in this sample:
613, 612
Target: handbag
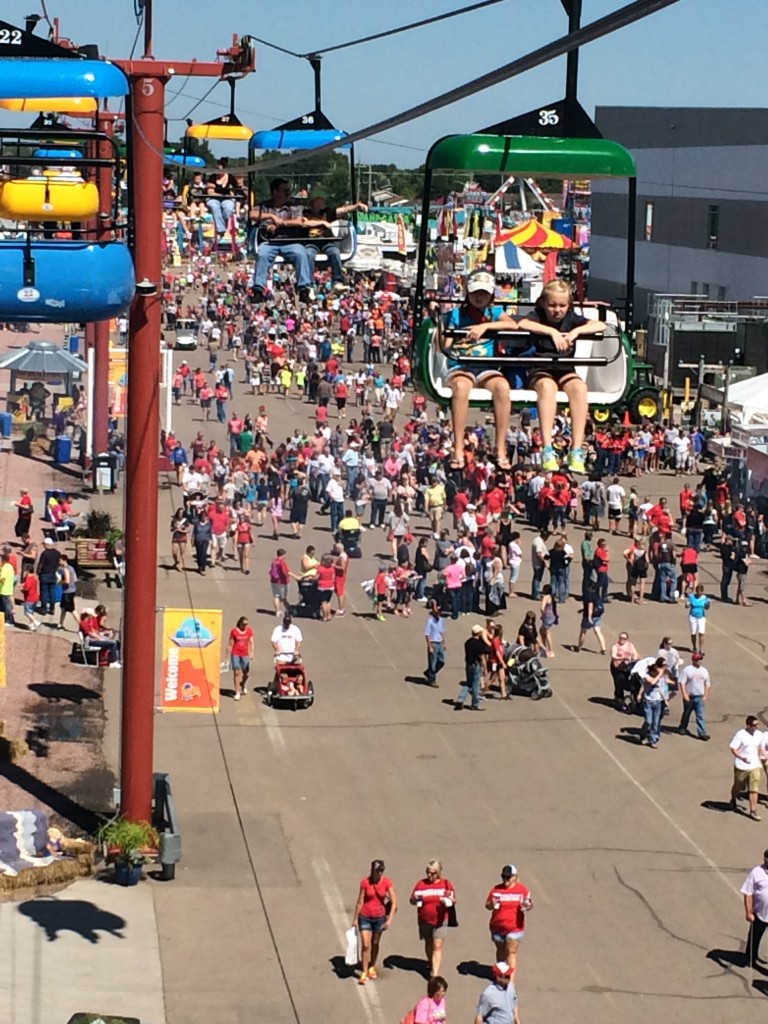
453, 920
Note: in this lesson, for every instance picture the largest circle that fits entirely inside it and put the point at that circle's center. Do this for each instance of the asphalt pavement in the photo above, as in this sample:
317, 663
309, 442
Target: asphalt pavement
632, 859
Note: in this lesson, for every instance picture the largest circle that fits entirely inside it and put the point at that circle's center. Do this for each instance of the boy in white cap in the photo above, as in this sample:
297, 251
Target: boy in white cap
478, 318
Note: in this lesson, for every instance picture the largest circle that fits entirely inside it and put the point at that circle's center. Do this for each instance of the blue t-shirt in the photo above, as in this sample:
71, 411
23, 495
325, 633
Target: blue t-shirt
459, 318
497, 1004
698, 606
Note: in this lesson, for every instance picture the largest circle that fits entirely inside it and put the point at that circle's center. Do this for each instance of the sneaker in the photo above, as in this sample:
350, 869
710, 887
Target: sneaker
238, 695
305, 296
340, 287
116, 664
381, 618
258, 295
755, 816
576, 461
549, 461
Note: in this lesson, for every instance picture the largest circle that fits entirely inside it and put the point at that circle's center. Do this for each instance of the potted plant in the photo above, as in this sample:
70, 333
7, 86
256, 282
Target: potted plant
99, 524
115, 543
130, 845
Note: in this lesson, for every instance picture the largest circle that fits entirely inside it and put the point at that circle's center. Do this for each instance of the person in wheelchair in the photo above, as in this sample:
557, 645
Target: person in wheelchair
478, 318
555, 327
322, 240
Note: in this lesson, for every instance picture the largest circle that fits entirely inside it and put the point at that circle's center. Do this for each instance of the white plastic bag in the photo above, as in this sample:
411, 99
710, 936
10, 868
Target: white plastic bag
351, 957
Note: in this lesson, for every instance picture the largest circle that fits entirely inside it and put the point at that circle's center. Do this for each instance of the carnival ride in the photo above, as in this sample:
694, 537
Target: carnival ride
54, 263
605, 360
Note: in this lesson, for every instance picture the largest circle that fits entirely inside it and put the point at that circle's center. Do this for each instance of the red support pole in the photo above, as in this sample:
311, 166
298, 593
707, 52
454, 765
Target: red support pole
142, 446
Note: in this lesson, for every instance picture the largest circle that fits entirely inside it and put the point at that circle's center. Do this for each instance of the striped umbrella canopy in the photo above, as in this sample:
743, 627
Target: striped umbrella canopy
532, 235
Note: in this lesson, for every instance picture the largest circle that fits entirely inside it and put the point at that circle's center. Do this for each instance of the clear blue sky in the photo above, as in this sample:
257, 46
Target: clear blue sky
696, 53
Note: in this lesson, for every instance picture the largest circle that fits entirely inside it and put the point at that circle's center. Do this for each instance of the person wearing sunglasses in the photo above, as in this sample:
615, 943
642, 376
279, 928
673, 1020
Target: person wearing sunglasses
434, 898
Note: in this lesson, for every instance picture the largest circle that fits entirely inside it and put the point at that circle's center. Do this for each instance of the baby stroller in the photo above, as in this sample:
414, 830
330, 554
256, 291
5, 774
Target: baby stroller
290, 685
527, 675
625, 687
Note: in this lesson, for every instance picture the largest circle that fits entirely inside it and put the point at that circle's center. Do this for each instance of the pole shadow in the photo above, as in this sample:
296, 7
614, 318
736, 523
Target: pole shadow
79, 916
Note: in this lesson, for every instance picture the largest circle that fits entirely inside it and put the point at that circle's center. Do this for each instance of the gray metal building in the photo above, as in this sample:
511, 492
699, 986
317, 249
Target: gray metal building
702, 209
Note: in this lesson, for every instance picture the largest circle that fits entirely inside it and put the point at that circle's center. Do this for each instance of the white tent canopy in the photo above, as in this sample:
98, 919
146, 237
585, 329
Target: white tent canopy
748, 400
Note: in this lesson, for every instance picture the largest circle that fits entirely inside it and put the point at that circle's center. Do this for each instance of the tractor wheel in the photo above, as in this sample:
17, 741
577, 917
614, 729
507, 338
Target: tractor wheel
601, 413
645, 404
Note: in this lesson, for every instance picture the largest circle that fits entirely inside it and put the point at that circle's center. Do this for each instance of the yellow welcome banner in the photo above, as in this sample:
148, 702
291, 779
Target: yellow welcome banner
191, 659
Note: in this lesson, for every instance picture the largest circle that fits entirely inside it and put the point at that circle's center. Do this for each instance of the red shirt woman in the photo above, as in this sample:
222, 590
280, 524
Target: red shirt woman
508, 902
375, 907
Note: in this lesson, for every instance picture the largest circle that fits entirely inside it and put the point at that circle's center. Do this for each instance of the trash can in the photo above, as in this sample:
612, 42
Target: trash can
74, 344
6, 424
62, 449
105, 471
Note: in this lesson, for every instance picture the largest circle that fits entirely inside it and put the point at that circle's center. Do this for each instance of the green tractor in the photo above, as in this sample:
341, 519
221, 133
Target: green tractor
641, 398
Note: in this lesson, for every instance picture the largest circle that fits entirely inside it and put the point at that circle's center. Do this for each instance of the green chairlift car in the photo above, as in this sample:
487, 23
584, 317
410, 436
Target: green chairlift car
605, 360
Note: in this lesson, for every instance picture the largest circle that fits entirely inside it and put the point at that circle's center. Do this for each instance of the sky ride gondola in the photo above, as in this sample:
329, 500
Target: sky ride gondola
74, 106
52, 267
305, 133
604, 360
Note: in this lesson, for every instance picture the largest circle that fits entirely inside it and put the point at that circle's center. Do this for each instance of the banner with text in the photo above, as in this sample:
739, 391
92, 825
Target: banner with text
191, 659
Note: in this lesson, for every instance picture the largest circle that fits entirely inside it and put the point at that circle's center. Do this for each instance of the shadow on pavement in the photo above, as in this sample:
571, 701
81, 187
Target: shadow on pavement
72, 692
340, 968
416, 680
395, 962
717, 805
728, 957
471, 968
606, 702
85, 919
56, 801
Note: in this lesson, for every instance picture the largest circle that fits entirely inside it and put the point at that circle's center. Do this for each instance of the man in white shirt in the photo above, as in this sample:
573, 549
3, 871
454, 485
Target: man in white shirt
616, 494
755, 892
539, 553
286, 640
335, 497
747, 747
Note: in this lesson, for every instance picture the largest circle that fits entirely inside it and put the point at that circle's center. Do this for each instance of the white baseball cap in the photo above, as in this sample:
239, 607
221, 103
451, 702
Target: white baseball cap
481, 281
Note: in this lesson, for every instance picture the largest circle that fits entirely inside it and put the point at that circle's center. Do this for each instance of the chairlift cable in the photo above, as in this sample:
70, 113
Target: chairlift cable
403, 28
621, 18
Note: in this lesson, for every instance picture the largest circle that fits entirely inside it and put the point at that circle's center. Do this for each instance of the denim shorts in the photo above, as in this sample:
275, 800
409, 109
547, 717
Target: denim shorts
509, 936
371, 924
240, 663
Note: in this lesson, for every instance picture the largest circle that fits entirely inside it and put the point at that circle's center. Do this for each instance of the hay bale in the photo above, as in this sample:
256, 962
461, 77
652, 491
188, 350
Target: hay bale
78, 863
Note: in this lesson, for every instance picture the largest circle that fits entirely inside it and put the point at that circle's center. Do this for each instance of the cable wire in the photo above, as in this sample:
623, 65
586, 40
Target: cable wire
621, 18
379, 35
404, 28
201, 100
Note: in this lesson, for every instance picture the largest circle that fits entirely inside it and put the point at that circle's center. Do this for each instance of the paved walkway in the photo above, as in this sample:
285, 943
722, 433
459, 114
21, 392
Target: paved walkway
91, 948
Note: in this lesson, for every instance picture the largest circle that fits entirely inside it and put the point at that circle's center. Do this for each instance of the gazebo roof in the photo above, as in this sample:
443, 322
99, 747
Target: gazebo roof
43, 357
